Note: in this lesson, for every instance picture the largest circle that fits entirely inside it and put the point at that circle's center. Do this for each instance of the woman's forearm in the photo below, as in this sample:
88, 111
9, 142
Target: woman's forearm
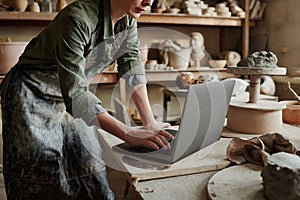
140, 98
108, 123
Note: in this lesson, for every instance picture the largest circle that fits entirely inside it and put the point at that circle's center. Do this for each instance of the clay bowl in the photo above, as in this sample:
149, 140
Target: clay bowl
9, 54
173, 10
217, 63
291, 114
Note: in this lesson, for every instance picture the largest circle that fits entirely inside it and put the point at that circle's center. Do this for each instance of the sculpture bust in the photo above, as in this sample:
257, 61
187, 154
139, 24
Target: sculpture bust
198, 49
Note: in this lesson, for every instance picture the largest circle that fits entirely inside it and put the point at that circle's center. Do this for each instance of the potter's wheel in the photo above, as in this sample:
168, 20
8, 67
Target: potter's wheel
237, 182
255, 116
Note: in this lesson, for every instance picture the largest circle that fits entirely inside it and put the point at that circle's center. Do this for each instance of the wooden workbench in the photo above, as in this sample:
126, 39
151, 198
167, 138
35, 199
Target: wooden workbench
195, 163
185, 179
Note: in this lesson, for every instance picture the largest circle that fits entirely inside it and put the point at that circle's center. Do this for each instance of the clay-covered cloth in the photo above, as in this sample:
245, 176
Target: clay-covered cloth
257, 149
47, 153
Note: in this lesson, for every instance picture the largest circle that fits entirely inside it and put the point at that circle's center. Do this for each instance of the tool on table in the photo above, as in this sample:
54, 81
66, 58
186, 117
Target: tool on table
288, 86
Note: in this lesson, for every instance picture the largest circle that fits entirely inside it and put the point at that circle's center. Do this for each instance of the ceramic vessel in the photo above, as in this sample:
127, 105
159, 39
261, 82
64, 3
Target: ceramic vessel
180, 59
291, 114
173, 10
21, 5
46, 6
217, 63
34, 7
9, 54
151, 64
61, 4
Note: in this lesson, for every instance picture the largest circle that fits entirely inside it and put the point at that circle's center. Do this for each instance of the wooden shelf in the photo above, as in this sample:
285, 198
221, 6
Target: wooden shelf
13, 17
111, 77
184, 19
27, 16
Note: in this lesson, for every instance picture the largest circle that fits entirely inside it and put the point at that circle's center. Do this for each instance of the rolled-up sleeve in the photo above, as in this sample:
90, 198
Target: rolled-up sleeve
86, 107
135, 79
69, 56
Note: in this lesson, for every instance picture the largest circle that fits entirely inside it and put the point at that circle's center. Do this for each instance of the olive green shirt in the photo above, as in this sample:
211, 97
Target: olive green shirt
70, 39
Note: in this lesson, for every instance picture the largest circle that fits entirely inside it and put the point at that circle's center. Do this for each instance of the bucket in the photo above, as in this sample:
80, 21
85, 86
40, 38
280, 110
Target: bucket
180, 59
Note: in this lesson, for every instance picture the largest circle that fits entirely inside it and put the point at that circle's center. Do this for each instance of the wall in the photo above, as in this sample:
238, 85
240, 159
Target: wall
282, 27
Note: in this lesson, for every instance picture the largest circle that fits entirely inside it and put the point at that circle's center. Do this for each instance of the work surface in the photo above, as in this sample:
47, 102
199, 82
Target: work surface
195, 163
185, 179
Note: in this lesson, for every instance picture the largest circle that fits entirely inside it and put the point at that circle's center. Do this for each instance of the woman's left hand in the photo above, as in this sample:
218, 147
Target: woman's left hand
156, 126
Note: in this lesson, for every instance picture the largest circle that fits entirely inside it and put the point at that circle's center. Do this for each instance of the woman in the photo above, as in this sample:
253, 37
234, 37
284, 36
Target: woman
50, 145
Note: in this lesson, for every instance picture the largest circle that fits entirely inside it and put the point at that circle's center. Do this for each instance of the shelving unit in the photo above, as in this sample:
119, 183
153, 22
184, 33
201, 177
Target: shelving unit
12, 18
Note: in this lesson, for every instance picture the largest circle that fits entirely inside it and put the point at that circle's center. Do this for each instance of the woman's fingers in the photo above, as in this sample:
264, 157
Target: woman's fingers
166, 134
153, 139
161, 141
166, 125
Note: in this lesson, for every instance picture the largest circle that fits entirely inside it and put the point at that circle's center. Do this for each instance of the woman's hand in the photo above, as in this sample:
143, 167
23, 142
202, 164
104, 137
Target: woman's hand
156, 125
149, 137
152, 136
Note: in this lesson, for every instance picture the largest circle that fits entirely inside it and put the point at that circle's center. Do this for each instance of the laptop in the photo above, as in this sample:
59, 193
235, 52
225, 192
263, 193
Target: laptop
201, 125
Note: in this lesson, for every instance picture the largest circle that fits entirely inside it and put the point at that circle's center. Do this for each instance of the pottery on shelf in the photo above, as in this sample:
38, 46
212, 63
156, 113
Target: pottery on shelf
217, 63
9, 54
46, 6
179, 59
34, 7
21, 5
61, 4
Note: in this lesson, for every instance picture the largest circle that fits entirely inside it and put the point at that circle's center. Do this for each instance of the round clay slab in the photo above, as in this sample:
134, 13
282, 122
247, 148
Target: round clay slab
237, 182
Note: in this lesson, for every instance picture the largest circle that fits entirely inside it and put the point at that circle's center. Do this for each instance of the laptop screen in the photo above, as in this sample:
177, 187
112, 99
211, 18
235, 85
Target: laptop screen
203, 116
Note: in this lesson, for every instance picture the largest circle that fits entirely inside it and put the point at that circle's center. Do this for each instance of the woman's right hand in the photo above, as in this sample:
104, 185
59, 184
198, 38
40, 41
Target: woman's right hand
148, 138
151, 136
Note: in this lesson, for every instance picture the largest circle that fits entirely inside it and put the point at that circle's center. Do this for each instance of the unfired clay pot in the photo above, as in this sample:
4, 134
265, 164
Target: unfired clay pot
291, 114
9, 54
21, 5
